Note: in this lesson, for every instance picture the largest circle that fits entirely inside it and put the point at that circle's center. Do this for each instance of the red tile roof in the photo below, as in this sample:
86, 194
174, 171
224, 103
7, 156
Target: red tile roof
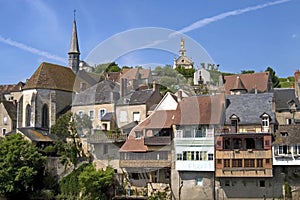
133, 144
201, 110
259, 81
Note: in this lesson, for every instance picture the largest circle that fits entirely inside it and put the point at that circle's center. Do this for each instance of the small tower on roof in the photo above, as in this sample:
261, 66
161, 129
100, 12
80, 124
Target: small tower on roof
74, 49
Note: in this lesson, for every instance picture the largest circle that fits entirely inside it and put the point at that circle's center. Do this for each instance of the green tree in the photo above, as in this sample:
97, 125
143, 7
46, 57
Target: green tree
187, 73
107, 67
65, 128
274, 78
96, 183
247, 72
91, 183
21, 167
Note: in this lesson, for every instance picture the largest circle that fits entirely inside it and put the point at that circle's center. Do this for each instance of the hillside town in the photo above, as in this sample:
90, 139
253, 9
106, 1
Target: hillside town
213, 136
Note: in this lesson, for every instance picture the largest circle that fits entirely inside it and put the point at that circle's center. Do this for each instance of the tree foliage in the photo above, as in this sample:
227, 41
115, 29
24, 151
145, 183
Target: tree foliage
87, 181
107, 67
21, 166
247, 72
70, 127
187, 73
274, 78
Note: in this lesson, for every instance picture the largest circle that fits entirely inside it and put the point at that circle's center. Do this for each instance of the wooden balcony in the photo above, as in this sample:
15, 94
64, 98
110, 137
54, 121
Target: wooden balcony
244, 172
158, 140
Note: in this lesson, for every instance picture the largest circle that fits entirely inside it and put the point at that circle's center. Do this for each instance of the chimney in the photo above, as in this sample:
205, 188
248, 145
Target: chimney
123, 87
179, 97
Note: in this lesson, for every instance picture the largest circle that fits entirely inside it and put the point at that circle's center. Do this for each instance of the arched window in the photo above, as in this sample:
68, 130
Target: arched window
45, 116
28, 115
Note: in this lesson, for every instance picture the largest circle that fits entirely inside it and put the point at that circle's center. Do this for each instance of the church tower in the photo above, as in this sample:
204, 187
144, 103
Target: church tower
183, 60
74, 49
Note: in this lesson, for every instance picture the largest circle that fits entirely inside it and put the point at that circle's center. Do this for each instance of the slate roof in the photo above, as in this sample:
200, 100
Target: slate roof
249, 107
107, 116
74, 46
37, 135
136, 97
259, 81
292, 138
11, 108
283, 96
51, 76
100, 93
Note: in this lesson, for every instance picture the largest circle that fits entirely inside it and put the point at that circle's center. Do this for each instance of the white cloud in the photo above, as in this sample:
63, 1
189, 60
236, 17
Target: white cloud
35, 51
206, 21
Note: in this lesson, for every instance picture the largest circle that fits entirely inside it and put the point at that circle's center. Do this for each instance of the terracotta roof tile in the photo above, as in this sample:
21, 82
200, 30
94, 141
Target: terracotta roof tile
259, 81
201, 110
134, 145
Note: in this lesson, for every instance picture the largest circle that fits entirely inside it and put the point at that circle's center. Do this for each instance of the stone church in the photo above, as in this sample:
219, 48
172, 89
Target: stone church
183, 60
47, 95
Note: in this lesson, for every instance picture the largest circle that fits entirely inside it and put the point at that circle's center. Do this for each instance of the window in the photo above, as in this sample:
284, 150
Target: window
267, 161
265, 123
237, 143
192, 155
3, 131
80, 113
250, 143
283, 149
289, 121
237, 163
234, 123
136, 116
179, 156
249, 163
259, 163
199, 181
297, 149
28, 115
227, 143
5, 120
227, 182
197, 155
123, 116
226, 162
262, 183
92, 114
219, 161
101, 113
284, 134
210, 156
184, 155
45, 116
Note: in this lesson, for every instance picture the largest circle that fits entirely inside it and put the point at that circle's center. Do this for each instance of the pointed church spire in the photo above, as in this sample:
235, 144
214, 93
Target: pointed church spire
74, 49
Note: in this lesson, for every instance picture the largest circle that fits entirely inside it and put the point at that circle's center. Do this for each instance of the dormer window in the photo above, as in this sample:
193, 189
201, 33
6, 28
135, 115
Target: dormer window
265, 122
234, 123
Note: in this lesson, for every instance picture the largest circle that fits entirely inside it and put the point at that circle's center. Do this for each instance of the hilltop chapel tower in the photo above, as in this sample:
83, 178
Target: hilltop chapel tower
183, 60
74, 49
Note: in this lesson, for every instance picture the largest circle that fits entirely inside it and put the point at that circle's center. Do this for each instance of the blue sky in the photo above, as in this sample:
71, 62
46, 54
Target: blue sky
238, 35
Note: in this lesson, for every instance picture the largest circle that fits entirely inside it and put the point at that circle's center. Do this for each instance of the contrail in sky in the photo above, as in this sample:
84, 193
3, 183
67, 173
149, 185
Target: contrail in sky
206, 21
31, 49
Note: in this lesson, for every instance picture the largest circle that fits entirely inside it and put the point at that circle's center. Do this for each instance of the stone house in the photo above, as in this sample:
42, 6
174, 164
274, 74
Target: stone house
198, 118
244, 149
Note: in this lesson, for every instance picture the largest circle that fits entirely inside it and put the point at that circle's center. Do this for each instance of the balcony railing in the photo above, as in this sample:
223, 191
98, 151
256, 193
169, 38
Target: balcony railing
157, 140
145, 163
106, 137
